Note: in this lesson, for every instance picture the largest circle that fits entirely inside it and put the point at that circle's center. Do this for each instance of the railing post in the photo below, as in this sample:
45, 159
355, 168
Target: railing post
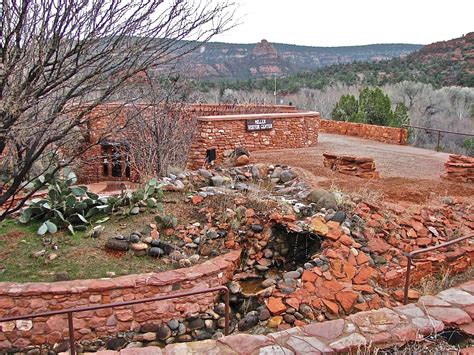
437, 143
72, 342
407, 280
227, 311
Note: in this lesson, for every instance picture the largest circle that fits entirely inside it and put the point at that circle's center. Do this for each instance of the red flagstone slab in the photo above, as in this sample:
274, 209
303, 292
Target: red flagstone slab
427, 325
244, 343
468, 328
469, 310
327, 330
431, 301
308, 345
457, 297
149, 350
376, 321
275, 350
449, 315
410, 310
352, 341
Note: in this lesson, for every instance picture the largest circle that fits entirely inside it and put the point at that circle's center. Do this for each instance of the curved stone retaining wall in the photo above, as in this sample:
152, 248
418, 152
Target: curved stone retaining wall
363, 332
377, 133
27, 298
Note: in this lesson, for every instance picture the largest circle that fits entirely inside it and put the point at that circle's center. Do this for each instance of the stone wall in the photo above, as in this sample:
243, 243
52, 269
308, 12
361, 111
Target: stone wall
23, 299
225, 133
106, 122
377, 133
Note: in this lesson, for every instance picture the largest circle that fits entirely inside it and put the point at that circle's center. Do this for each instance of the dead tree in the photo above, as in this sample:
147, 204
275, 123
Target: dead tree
59, 59
160, 130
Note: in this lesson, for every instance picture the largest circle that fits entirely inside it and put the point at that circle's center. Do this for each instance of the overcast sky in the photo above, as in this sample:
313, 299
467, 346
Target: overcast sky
350, 22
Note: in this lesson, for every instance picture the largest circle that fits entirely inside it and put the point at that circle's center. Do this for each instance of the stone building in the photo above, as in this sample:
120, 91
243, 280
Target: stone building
220, 129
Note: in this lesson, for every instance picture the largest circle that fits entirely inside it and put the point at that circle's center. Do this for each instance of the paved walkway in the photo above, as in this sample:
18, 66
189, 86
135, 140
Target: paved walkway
452, 308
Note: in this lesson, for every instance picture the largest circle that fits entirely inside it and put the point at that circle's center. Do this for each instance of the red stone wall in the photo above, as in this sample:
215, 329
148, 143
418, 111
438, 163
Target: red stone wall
28, 298
107, 122
290, 130
377, 133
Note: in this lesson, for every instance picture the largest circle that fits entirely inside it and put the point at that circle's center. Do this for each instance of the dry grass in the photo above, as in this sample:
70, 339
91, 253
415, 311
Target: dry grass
433, 284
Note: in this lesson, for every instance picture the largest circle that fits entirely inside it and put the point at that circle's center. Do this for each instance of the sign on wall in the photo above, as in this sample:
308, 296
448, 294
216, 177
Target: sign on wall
260, 125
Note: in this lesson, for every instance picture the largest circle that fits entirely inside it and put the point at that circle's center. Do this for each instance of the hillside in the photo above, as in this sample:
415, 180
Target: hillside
444, 63
263, 60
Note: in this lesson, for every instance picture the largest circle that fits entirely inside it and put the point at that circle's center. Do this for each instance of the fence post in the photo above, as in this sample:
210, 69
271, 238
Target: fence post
72, 342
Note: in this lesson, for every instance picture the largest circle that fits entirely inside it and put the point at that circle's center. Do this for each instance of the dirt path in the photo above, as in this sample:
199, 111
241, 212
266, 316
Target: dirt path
407, 173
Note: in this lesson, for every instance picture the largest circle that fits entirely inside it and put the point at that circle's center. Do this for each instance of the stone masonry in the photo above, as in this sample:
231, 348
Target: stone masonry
377, 133
382, 328
22, 299
225, 133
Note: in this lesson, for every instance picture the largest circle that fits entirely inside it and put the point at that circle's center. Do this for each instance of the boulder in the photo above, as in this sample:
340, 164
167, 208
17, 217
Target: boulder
323, 199
242, 160
117, 244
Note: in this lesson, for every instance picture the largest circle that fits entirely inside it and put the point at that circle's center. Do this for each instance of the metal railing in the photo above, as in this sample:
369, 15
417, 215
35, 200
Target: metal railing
438, 141
70, 311
421, 251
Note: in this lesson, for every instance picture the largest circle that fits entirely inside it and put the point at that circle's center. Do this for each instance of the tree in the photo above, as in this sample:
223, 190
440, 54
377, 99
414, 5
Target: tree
346, 108
400, 115
159, 132
375, 106
59, 59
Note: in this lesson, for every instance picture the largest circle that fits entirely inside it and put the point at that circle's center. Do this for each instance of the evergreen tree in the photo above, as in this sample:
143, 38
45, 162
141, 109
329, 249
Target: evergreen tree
345, 109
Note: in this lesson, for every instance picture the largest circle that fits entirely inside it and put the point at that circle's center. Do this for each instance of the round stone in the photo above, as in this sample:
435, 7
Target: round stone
117, 244
257, 228
339, 216
139, 246
163, 332
156, 252
173, 324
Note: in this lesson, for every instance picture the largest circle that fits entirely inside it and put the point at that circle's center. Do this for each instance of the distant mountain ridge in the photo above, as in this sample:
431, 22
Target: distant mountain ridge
264, 59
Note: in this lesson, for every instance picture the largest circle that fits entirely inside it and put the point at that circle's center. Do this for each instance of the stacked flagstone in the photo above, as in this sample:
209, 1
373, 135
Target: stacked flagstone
370, 330
350, 165
459, 168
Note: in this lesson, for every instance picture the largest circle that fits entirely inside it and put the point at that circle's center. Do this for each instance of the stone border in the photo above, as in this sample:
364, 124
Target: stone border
384, 134
380, 328
233, 117
27, 298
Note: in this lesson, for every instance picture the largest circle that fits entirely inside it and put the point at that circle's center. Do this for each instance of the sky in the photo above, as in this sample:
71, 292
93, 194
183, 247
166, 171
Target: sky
350, 22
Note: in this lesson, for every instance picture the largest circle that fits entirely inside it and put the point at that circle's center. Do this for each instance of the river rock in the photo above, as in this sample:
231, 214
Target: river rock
248, 322
339, 216
275, 321
163, 332
117, 244
242, 160
205, 173
173, 324
264, 314
202, 334
289, 318
196, 323
217, 180
287, 175
291, 275
156, 252
139, 246
116, 343
257, 228
323, 199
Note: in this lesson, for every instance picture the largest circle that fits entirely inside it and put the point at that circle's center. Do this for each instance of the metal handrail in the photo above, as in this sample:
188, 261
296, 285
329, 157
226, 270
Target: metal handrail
70, 311
421, 251
439, 133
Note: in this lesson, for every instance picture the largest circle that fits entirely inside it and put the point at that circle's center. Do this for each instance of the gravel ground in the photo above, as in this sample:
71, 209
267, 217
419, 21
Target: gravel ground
406, 173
